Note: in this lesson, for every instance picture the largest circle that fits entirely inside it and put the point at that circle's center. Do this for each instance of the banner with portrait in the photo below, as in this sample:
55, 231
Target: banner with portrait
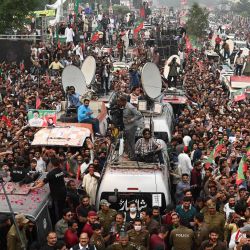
42, 118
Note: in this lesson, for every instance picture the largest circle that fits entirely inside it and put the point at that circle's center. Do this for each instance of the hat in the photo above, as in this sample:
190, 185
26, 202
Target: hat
92, 213
96, 226
241, 187
245, 229
104, 202
20, 218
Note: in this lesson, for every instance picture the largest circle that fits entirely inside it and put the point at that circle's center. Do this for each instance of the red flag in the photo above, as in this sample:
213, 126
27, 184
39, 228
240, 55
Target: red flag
6, 120
48, 80
218, 149
58, 44
138, 28
95, 37
38, 102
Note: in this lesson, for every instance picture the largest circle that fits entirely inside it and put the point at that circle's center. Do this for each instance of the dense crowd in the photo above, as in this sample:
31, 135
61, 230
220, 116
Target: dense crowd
208, 151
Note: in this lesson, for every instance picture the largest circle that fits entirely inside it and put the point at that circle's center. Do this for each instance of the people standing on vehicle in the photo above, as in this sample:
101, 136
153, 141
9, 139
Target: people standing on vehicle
131, 120
239, 62
217, 43
173, 73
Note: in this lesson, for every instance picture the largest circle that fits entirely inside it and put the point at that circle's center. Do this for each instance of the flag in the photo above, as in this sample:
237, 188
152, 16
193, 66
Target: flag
239, 95
38, 102
95, 37
48, 80
214, 153
76, 9
218, 148
241, 171
6, 120
139, 27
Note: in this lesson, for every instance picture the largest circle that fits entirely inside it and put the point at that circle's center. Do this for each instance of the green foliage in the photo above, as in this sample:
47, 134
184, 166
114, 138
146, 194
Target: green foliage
242, 8
122, 10
13, 13
197, 21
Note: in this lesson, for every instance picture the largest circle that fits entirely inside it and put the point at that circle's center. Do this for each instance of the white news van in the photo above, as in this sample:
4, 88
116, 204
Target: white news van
146, 183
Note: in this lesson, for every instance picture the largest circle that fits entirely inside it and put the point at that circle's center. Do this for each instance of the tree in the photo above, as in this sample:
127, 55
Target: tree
242, 7
13, 13
197, 21
119, 9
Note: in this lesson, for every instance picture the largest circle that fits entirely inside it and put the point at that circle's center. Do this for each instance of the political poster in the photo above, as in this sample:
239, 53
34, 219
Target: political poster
42, 118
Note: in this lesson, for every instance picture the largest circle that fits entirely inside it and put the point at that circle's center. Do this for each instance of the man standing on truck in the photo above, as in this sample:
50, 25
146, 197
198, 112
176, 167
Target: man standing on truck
131, 120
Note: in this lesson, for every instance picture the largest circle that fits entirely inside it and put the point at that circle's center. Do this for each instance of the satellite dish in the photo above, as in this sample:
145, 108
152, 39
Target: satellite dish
73, 76
167, 68
151, 80
88, 69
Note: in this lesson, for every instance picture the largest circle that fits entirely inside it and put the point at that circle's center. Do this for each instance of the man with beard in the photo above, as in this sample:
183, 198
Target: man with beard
91, 219
83, 209
213, 242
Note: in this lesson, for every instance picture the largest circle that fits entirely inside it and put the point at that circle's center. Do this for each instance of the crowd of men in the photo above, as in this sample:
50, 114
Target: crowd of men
210, 143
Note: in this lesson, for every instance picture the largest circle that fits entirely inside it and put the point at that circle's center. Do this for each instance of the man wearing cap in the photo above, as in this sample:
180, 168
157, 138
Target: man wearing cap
13, 240
214, 219
106, 216
91, 219
123, 243
97, 239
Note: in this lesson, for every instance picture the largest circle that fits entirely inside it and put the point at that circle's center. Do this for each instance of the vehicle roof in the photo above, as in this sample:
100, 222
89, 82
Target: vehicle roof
144, 176
30, 204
